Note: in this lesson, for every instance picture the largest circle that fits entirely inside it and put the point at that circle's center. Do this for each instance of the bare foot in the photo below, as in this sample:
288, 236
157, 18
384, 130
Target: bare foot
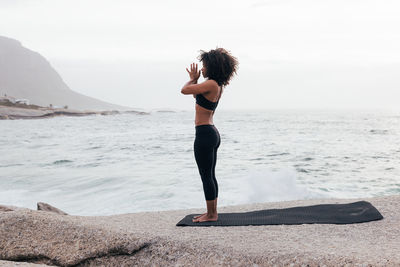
198, 217
195, 217
206, 218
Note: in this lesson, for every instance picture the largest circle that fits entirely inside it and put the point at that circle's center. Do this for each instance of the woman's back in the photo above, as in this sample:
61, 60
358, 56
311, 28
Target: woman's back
205, 107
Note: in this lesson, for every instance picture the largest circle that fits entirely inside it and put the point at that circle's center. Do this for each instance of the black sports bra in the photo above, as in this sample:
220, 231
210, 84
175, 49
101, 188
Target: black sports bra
205, 103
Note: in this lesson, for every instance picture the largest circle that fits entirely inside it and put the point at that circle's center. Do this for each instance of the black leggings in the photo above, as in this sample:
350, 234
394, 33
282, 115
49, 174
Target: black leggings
205, 152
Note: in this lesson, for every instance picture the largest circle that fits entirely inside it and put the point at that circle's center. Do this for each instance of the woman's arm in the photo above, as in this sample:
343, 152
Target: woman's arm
188, 83
191, 87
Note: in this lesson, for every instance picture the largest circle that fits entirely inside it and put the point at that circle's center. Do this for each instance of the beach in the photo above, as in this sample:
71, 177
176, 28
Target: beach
153, 239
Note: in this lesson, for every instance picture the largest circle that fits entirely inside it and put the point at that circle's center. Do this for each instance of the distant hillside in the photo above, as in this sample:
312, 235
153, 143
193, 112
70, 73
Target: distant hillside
26, 74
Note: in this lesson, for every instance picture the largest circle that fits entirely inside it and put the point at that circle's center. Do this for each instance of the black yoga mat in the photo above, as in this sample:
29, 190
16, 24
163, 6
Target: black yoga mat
356, 212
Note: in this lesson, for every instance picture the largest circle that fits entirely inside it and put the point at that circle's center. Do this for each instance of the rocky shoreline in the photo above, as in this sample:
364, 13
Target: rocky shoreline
13, 113
49, 236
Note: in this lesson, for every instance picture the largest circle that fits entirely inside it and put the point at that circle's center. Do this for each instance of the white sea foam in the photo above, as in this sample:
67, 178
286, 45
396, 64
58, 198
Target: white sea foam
266, 185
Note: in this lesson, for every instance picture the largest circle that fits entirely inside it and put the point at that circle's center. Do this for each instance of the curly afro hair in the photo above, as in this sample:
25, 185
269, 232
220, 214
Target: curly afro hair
220, 65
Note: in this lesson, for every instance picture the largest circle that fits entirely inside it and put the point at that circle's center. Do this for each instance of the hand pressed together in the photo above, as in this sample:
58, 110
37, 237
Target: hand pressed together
194, 74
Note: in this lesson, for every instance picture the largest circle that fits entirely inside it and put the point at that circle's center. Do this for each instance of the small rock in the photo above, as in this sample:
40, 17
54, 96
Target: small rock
6, 208
46, 207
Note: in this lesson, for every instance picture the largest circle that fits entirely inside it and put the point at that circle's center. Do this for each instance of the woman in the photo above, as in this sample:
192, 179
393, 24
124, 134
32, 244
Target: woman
218, 68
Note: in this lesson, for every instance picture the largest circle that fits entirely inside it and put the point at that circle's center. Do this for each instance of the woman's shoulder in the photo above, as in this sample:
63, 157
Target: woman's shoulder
212, 83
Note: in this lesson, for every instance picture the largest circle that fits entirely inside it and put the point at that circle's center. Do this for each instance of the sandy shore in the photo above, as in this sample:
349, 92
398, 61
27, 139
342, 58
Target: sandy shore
153, 239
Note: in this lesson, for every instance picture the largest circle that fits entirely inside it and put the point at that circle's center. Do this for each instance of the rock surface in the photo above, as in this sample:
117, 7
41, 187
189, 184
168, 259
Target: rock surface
47, 207
22, 264
153, 239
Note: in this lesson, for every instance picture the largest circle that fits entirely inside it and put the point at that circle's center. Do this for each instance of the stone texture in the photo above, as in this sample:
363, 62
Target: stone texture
52, 239
22, 264
47, 207
153, 239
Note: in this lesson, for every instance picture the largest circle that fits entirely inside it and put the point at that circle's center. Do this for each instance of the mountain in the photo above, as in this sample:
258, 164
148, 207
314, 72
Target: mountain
27, 74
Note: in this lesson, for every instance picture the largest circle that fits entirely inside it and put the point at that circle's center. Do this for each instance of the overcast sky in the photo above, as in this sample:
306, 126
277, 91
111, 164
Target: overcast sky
292, 53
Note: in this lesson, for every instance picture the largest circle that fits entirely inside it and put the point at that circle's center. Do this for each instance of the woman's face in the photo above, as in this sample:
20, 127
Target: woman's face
203, 70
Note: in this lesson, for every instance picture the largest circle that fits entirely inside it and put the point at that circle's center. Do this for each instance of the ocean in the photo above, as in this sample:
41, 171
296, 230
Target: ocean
104, 165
